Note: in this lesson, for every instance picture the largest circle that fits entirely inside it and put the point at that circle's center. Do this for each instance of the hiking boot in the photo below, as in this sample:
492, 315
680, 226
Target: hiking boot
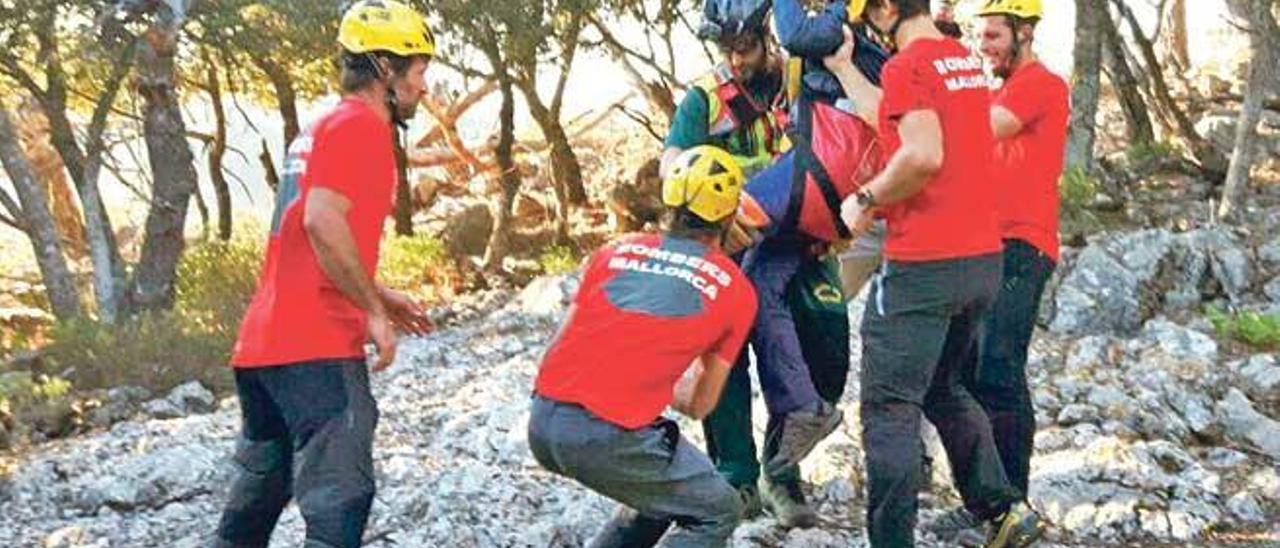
957, 527
800, 432
751, 506
1018, 527
786, 503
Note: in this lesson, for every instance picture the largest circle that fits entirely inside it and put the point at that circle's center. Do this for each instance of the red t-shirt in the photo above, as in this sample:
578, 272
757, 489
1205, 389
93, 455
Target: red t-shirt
647, 307
1029, 164
954, 214
297, 314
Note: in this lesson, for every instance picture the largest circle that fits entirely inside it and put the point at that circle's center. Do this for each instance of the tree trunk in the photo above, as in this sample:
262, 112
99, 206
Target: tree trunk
221, 190
269, 167
33, 132
108, 266
203, 209
41, 228
565, 170
286, 96
1212, 162
404, 194
1175, 37
509, 178
1262, 77
173, 172
1085, 83
84, 167
1137, 120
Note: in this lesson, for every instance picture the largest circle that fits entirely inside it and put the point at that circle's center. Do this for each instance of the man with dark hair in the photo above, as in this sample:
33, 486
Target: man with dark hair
941, 274
300, 368
1029, 121
739, 107
658, 321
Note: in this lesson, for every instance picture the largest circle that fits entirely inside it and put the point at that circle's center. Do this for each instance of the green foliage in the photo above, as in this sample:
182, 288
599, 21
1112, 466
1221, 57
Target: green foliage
159, 351
1151, 154
165, 349
520, 32
82, 48
249, 38
1077, 191
1078, 188
408, 263
19, 390
1261, 331
216, 280
558, 259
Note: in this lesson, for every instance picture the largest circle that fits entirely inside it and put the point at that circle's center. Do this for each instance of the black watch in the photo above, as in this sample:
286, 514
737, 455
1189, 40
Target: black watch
866, 199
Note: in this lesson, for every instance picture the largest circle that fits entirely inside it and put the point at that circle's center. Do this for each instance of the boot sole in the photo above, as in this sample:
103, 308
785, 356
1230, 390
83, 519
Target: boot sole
803, 521
837, 417
807, 521
1021, 534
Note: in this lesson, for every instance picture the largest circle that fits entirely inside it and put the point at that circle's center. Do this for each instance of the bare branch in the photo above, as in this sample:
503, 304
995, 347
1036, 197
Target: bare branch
643, 120
455, 111
15, 210
14, 223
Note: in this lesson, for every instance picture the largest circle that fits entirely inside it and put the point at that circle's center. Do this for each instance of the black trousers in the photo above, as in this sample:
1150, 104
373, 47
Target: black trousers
307, 435
919, 331
1000, 378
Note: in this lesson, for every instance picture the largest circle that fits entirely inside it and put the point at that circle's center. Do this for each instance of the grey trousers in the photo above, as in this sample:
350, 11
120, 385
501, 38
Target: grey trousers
658, 476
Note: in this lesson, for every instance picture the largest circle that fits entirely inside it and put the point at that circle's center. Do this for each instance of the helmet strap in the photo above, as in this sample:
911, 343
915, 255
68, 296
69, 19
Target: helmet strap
1016, 54
890, 36
393, 102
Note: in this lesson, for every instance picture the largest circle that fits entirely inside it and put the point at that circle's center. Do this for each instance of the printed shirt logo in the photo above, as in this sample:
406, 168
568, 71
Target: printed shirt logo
670, 279
828, 294
960, 73
702, 274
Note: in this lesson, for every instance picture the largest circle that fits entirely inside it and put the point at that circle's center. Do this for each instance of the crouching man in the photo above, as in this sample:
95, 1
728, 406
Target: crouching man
658, 321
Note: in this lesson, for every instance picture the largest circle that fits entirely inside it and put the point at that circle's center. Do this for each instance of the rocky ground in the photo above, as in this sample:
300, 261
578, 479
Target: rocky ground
1152, 432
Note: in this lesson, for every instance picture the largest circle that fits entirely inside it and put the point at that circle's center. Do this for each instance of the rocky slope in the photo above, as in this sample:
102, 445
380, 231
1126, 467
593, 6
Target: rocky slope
1151, 431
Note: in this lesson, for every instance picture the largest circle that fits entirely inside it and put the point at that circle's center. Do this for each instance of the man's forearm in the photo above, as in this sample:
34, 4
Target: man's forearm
900, 179
686, 388
697, 394
336, 251
866, 97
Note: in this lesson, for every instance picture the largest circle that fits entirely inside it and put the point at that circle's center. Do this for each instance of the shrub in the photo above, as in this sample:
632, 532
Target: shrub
1260, 331
1147, 155
408, 262
18, 389
558, 259
419, 265
161, 350
1078, 190
217, 279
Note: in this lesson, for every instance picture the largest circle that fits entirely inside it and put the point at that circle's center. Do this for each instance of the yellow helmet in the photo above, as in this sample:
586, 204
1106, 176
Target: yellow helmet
705, 180
855, 9
1025, 9
385, 25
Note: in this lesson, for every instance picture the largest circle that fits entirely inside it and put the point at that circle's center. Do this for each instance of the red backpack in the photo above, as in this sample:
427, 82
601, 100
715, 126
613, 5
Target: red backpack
833, 153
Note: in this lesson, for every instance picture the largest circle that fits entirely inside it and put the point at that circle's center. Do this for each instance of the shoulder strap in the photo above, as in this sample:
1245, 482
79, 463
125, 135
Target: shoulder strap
807, 163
